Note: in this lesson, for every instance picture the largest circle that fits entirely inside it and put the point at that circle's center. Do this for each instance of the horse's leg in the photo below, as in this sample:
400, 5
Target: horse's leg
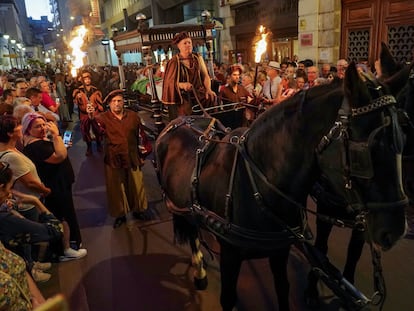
355, 247
230, 263
278, 264
323, 230
200, 274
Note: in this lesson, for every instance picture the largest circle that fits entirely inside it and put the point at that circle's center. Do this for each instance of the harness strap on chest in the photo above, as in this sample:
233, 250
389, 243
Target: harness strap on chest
199, 161
228, 203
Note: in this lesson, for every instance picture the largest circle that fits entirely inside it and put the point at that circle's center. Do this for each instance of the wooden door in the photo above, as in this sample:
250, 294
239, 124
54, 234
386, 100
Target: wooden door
365, 24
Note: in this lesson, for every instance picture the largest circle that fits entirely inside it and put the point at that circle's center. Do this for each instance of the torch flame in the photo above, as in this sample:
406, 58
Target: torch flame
76, 45
261, 45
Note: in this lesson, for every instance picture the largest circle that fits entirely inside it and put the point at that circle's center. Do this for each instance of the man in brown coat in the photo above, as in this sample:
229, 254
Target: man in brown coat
124, 179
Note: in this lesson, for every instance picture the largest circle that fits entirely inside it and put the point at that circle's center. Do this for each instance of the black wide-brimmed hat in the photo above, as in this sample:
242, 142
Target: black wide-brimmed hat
111, 95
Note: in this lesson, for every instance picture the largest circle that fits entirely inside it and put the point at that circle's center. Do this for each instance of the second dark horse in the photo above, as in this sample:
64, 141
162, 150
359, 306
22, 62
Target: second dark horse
249, 188
333, 206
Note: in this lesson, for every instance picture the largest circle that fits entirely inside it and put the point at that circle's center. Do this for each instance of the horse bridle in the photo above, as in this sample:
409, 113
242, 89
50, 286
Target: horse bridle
351, 151
356, 156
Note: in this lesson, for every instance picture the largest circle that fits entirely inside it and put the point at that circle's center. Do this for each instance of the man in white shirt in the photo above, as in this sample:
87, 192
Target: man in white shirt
270, 88
341, 67
35, 97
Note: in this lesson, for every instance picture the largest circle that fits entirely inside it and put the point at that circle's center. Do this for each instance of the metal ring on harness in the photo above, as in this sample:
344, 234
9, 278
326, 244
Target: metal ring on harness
235, 140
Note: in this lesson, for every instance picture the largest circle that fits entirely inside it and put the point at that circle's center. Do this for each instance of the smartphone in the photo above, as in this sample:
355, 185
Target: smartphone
67, 138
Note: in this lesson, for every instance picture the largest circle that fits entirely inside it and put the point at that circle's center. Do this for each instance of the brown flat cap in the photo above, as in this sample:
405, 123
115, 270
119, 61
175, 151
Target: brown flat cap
180, 36
111, 95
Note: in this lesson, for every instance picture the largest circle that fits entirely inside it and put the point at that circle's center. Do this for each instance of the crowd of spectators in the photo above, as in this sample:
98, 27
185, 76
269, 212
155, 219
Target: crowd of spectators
38, 223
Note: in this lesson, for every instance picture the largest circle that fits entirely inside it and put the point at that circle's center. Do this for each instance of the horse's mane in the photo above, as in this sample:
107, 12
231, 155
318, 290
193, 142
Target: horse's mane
298, 104
300, 120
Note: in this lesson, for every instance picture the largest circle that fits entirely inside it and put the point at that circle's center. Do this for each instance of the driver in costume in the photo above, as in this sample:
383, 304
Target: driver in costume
186, 80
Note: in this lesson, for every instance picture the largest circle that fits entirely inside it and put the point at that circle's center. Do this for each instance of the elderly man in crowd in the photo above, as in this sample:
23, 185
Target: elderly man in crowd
270, 88
341, 66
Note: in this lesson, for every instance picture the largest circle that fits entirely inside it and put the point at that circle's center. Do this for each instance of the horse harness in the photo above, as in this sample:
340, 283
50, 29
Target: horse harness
352, 152
223, 227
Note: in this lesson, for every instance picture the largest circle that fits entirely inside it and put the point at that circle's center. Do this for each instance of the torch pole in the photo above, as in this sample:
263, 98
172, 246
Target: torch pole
255, 76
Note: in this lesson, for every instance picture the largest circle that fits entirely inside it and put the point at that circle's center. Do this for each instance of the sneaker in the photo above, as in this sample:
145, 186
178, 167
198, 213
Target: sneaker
40, 276
75, 245
43, 266
71, 254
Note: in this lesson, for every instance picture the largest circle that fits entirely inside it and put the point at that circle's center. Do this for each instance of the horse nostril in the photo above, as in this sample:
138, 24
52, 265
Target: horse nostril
386, 240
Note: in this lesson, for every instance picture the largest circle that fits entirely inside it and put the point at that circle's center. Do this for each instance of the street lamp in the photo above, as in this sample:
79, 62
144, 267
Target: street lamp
12, 41
205, 20
19, 54
146, 52
6, 37
140, 17
205, 16
142, 25
106, 43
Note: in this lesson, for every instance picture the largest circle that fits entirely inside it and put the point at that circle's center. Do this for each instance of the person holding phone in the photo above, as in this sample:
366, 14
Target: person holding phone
25, 179
55, 170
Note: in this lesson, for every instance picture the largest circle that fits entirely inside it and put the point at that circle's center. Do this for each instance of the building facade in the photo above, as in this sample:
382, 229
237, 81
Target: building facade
320, 30
15, 34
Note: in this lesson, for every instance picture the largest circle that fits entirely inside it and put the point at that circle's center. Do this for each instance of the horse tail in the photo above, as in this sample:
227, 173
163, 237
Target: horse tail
185, 229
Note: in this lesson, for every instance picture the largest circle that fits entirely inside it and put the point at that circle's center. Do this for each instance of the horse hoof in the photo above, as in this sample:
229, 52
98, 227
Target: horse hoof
200, 284
312, 300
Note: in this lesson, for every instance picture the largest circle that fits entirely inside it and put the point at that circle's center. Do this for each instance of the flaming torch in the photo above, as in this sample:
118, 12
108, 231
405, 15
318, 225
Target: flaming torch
260, 49
76, 45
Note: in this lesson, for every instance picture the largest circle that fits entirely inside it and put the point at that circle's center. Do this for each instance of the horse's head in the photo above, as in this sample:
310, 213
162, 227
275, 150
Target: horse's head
370, 142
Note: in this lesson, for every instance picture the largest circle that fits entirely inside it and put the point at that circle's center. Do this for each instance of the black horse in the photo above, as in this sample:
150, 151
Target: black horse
331, 206
250, 187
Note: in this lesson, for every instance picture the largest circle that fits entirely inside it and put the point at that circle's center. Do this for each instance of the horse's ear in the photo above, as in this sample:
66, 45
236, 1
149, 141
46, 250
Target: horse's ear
353, 84
388, 64
397, 82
